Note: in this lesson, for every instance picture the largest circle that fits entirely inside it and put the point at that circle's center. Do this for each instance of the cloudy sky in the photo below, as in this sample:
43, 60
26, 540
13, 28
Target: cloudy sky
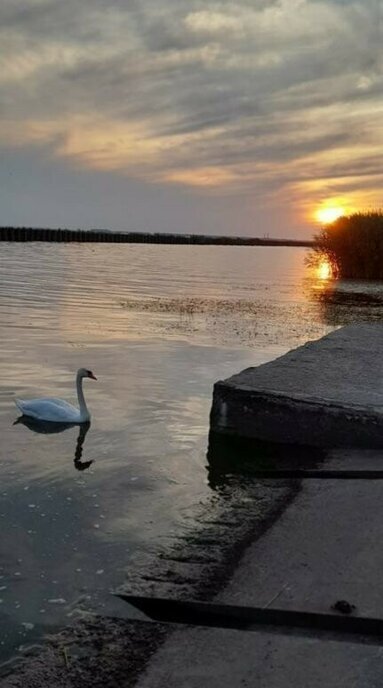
233, 117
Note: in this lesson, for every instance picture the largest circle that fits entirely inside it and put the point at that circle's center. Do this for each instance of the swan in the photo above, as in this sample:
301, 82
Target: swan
58, 410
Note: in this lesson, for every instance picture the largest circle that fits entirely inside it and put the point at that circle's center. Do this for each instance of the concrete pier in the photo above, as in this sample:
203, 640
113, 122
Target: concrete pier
327, 393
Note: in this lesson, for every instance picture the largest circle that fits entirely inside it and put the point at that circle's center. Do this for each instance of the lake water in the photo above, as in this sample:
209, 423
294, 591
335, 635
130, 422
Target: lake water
158, 325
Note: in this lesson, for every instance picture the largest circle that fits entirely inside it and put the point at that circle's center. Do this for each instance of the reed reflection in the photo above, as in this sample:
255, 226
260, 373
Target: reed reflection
49, 428
342, 302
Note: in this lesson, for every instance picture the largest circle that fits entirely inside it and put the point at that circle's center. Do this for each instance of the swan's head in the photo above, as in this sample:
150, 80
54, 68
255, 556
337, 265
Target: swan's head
83, 372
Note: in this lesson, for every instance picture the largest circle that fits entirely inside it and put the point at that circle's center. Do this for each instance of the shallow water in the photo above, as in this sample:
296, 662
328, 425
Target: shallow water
158, 325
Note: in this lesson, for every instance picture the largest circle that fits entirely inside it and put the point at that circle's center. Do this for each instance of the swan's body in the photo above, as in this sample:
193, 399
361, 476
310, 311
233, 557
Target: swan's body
58, 410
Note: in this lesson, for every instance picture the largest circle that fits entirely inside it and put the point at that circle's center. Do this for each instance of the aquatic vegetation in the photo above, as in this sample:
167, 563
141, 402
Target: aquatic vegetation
353, 245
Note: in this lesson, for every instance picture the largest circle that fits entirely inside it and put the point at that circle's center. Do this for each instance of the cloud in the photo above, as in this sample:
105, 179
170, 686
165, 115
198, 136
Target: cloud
222, 95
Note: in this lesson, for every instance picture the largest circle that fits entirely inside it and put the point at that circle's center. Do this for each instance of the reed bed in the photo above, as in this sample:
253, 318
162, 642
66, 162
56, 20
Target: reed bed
353, 245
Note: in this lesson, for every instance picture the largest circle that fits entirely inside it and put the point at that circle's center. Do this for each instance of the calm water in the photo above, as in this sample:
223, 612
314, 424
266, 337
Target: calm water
158, 325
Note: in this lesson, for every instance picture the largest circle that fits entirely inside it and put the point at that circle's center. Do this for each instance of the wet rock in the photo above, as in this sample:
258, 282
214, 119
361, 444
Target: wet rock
343, 607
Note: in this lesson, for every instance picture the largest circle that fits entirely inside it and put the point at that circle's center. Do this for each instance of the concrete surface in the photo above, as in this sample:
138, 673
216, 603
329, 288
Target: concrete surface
325, 393
327, 545
234, 659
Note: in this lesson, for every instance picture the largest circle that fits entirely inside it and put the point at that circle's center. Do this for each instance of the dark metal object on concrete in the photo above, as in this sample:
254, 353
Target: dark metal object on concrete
327, 393
252, 618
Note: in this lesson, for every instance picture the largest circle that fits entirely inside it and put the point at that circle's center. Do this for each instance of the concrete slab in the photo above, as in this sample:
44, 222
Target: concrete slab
213, 658
325, 546
327, 393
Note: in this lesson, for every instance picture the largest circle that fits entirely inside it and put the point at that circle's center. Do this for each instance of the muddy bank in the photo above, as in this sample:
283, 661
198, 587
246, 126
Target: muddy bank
110, 651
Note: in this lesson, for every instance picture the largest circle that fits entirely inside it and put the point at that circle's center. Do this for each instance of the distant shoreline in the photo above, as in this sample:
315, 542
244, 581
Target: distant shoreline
21, 234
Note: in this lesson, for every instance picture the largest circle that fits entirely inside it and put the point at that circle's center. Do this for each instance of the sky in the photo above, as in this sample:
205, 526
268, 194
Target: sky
242, 117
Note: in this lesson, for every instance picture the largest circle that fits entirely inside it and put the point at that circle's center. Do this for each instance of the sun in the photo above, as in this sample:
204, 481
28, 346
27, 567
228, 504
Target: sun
329, 214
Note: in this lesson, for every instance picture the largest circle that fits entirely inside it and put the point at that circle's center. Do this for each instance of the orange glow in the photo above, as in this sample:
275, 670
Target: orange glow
202, 176
324, 270
329, 214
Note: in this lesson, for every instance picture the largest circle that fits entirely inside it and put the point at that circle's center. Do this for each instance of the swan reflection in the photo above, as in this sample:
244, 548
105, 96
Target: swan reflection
81, 465
49, 428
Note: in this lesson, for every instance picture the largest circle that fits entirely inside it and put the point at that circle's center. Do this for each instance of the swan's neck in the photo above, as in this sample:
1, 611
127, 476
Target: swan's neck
84, 413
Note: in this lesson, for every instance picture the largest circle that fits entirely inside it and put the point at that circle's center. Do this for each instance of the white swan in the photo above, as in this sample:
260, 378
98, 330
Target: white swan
58, 410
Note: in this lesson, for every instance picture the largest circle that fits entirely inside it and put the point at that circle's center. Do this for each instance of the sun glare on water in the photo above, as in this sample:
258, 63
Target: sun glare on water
328, 215
324, 270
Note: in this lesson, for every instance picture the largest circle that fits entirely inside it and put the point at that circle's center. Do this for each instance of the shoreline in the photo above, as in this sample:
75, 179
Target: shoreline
46, 234
113, 650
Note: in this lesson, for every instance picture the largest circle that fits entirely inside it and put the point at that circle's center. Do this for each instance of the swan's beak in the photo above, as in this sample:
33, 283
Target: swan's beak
92, 376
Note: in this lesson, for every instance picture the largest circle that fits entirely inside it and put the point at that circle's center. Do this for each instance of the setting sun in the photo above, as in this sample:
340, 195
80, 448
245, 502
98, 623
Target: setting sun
328, 215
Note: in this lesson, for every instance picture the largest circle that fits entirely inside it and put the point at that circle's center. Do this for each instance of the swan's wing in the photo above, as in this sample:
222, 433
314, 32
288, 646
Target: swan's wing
56, 402
49, 409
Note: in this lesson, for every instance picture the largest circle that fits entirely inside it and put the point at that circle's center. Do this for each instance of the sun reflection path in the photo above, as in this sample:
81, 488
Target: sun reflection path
324, 270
